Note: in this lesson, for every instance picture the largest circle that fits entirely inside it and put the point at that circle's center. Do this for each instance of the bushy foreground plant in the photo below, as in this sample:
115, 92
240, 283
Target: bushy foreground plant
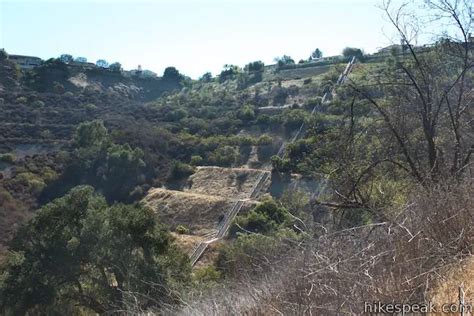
79, 251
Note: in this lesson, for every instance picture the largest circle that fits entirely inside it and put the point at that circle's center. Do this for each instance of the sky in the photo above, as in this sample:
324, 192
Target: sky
193, 36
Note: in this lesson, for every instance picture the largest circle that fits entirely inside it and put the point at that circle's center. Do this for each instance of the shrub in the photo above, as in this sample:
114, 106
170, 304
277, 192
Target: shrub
38, 104
256, 66
195, 125
36, 187
264, 140
58, 88
229, 73
284, 60
176, 115
246, 253
21, 100
351, 51
196, 160
254, 222
115, 67
263, 119
207, 77
90, 107
172, 74
32, 181
3, 54
48, 175
279, 95
323, 122
244, 141
223, 156
265, 218
5, 196
294, 118
311, 103
9, 158
180, 229
207, 274
273, 211
247, 113
280, 165
46, 134
57, 256
90, 134
243, 80
181, 170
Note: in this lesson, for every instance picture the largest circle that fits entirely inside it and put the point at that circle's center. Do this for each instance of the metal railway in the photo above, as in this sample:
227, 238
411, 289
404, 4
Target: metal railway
235, 209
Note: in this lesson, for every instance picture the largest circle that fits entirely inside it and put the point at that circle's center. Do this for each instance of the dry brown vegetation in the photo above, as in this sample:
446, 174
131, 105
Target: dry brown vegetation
394, 144
423, 253
234, 183
198, 212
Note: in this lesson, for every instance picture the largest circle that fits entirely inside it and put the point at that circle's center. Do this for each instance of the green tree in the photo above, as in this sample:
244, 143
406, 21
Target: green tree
229, 72
256, 66
90, 134
78, 251
284, 60
114, 169
172, 74
66, 58
294, 118
224, 156
3, 54
116, 67
317, 54
265, 218
102, 63
148, 74
81, 59
180, 170
207, 77
353, 52
247, 113
120, 171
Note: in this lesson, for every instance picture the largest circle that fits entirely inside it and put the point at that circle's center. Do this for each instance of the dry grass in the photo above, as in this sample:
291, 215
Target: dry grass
447, 284
210, 255
234, 183
289, 74
197, 212
423, 253
187, 243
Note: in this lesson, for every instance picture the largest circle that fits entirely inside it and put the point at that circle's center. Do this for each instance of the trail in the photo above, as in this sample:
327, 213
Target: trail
232, 213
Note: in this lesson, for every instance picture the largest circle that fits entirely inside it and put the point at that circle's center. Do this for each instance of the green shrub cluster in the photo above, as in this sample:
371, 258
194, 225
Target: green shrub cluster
8, 158
266, 218
79, 252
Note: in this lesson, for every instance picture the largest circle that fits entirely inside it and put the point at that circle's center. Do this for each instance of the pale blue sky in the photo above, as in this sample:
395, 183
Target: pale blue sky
194, 36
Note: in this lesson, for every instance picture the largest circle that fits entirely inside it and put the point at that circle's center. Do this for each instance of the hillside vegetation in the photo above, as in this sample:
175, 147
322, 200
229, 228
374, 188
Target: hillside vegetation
109, 182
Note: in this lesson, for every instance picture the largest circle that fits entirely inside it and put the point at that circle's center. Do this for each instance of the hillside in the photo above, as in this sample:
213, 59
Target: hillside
287, 189
202, 206
42, 108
